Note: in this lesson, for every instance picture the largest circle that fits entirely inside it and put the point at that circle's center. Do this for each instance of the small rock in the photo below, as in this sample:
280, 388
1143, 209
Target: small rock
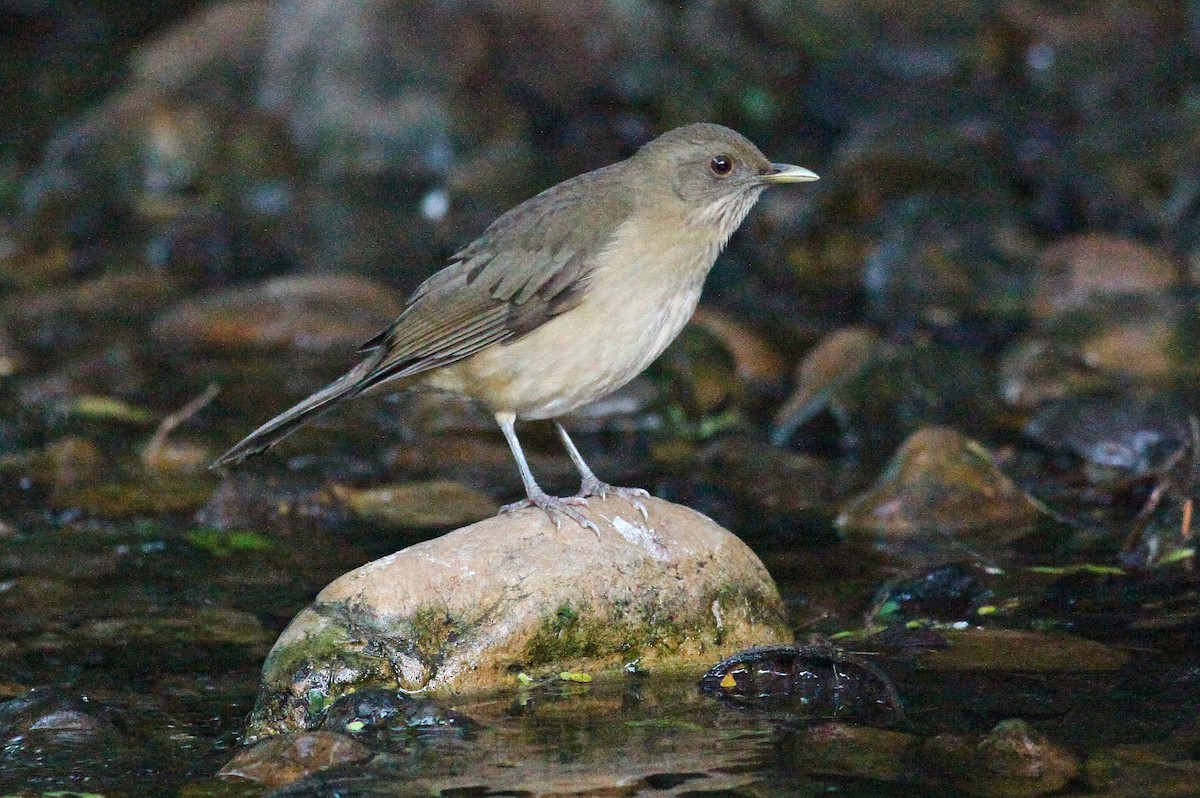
1123, 435
1011, 761
855, 752
1036, 371
280, 760
43, 718
417, 505
1020, 651
313, 314
1135, 345
513, 593
940, 482
1078, 269
1106, 343
46, 710
383, 712
121, 500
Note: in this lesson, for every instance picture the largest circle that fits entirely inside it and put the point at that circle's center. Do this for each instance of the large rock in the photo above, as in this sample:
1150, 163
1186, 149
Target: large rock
513, 595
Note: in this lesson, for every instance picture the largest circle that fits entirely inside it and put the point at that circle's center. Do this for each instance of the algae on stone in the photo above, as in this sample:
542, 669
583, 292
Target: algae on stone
473, 609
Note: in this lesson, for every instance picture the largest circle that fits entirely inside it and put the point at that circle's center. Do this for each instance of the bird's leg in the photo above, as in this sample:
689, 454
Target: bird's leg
536, 497
592, 486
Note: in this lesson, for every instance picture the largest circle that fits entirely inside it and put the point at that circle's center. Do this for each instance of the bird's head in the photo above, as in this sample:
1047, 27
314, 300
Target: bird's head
715, 172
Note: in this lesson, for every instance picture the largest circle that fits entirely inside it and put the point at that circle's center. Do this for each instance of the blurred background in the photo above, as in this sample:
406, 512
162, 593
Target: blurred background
205, 207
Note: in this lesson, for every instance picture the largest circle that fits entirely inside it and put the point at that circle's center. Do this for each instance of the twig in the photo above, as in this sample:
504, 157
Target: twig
159, 439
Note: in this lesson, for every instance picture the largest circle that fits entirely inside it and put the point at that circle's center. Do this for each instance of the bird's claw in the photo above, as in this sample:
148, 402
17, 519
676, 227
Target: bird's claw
594, 487
556, 506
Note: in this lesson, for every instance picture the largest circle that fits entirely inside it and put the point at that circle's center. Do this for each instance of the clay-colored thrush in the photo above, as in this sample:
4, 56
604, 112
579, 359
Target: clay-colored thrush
566, 297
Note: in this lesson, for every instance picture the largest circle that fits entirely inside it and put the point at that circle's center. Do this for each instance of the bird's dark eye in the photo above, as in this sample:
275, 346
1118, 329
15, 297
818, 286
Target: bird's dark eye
721, 165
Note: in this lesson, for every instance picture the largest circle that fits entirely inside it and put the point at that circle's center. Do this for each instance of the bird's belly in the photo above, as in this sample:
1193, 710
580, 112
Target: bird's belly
582, 355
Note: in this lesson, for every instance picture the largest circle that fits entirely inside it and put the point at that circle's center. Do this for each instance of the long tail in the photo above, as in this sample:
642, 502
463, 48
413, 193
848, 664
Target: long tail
345, 387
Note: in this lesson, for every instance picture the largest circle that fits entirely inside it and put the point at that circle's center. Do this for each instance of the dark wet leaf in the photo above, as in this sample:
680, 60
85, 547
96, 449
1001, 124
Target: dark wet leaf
814, 682
948, 593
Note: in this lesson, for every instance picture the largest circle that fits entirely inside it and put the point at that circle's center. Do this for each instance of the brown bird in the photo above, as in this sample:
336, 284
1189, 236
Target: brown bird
564, 298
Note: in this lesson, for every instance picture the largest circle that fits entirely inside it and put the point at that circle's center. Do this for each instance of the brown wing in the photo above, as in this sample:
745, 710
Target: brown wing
531, 265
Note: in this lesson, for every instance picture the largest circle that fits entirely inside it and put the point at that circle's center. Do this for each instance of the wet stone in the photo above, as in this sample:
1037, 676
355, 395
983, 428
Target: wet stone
333, 313
1075, 270
384, 713
283, 759
773, 482
47, 732
1135, 345
941, 483
417, 505
1116, 435
809, 681
1146, 338
853, 751
1020, 651
513, 594
1035, 371
55, 715
245, 500
948, 593
1012, 761
1136, 771
167, 494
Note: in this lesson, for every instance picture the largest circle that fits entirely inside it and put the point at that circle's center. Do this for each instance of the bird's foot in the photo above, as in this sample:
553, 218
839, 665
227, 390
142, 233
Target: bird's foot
594, 487
556, 506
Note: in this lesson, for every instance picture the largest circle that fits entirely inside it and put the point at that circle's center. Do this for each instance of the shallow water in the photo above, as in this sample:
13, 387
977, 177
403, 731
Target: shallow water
160, 626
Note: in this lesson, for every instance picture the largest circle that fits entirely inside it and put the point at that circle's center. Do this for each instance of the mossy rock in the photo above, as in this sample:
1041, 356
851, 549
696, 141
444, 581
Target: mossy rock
510, 595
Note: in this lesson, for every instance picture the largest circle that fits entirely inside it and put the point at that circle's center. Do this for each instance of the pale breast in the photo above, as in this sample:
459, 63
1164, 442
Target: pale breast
639, 297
